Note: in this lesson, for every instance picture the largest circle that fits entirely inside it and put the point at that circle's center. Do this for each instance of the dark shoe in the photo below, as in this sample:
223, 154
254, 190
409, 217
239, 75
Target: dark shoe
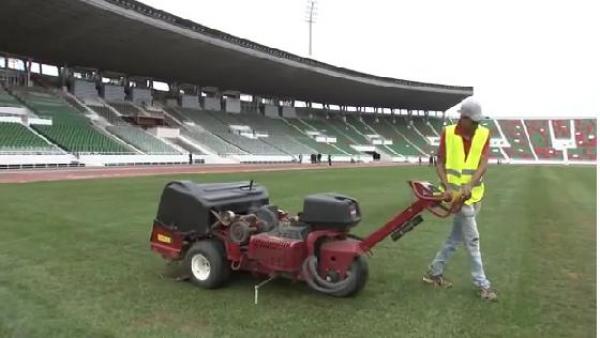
436, 281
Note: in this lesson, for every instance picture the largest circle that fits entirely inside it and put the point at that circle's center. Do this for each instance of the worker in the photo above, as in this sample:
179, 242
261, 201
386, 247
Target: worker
463, 156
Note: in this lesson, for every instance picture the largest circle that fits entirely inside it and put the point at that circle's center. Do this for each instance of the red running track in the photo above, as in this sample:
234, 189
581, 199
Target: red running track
45, 175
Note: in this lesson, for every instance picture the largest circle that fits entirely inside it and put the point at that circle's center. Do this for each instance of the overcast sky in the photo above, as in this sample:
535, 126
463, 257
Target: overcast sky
524, 58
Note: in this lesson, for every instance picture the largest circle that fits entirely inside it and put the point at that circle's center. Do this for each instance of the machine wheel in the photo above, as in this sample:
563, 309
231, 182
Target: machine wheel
206, 264
359, 271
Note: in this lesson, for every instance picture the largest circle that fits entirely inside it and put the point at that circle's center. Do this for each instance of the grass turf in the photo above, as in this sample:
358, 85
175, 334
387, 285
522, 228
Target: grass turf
75, 262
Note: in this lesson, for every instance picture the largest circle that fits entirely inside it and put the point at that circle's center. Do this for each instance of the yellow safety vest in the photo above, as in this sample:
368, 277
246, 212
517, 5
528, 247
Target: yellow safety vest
460, 171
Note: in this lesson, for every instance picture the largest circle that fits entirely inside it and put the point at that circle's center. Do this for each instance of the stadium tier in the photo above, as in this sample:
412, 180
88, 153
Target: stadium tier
423, 126
141, 140
328, 128
364, 131
17, 138
404, 126
539, 135
381, 126
108, 114
186, 146
217, 129
562, 129
252, 133
70, 129
7, 100
187, 120
585, 139
125, 108
519, 148
279, 133
301, 131
492, 127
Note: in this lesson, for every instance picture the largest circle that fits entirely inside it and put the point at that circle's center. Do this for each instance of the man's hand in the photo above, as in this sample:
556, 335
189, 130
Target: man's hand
465, 189
447, 196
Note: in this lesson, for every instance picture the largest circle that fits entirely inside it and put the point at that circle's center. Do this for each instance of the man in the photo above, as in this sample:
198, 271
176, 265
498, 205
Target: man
463, 157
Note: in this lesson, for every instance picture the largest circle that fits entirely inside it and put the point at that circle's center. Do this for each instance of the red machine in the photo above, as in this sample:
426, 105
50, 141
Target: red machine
218, 228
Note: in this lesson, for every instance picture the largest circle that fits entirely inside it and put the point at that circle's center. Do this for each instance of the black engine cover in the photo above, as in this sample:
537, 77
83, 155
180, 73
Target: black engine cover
186, 205
330, 211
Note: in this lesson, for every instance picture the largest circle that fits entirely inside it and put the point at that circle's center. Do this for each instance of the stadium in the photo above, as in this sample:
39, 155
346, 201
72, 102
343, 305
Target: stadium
95, 121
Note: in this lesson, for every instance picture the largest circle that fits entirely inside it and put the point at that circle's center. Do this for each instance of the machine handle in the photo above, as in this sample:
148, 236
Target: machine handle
442, 204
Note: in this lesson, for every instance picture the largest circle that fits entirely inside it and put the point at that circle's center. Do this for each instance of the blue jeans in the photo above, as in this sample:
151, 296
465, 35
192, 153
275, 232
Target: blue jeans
464, 230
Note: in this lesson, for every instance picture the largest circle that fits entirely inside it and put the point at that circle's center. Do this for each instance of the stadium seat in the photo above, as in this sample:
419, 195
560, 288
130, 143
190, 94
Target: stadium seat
585, 140
540, 140
7, 100
299, 129
562, 129
332, 129
422, 125
280, 134
515, 134
142, 140
16, 138
384, 126
70, 129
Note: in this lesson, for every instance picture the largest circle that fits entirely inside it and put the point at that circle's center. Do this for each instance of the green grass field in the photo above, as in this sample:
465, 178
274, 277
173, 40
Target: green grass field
75, 262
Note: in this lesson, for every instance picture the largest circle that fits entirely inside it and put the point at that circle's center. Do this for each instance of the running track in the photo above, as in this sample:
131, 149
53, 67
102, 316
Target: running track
44, 175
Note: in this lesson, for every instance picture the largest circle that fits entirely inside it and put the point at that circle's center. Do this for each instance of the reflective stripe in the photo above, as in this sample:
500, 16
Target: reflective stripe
453, 172
458, 173
456, 186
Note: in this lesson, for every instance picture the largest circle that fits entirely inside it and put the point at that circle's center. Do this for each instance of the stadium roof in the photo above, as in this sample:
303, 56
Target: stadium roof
129, 37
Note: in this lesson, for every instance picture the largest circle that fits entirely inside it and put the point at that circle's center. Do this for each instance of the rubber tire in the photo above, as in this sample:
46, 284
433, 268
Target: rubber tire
360, 269
214, 251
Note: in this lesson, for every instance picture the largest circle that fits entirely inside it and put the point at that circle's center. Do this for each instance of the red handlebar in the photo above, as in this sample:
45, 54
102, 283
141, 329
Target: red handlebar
443, 203
429, 197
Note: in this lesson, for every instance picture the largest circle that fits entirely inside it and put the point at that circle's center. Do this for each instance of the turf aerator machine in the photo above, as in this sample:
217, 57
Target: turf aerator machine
217, 228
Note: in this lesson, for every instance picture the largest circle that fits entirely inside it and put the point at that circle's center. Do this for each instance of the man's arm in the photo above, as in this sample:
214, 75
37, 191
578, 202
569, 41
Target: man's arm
441, 163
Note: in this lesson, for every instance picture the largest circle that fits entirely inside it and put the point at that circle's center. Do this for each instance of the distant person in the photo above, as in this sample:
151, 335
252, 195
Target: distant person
329, 159
431, 160
420, 160
463, 153
319, 157
190, 156
300, 158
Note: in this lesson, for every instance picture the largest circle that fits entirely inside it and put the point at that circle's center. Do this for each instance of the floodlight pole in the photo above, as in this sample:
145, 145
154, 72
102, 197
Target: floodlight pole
310, 18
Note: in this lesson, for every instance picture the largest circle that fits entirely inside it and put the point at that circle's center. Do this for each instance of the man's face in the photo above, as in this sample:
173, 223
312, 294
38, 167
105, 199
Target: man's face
466, 124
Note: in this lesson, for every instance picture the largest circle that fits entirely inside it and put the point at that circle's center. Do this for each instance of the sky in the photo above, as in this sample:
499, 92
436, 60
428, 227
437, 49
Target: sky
523, 58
